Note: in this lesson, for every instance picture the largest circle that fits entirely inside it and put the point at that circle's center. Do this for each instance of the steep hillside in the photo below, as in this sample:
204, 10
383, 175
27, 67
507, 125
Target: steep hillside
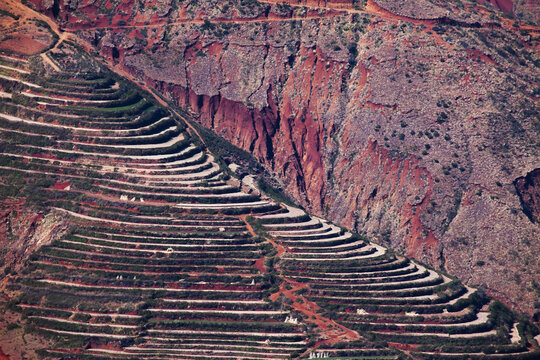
409, 121
133, 240
160, 253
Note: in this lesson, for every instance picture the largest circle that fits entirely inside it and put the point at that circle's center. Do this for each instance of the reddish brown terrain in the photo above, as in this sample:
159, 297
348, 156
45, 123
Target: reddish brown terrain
127, 230
408, 121
23, 231
329, 331
21, 33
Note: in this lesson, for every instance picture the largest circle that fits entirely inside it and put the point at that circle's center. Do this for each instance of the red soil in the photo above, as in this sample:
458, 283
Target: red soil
13, 202
363, 78
3, 356
280, 248
374, 106
61, 186
504, 5
338, 4
480, 55
116, 199
259, 264
404, 347
20, 33
93, 204
22, 44
102, 23
330, 331
2, 289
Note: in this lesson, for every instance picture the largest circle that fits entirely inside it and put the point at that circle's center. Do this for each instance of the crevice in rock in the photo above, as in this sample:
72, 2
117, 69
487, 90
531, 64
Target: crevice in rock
528, 189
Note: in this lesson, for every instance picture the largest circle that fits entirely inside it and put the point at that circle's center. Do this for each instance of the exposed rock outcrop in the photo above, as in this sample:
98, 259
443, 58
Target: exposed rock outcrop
528, 188
23, 230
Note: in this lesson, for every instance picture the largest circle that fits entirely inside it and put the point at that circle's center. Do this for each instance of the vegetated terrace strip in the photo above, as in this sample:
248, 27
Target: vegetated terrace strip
325, 325
362, 299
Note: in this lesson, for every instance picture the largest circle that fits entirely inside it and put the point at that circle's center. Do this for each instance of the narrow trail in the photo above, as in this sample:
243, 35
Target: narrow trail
62, 37
336, 10
4, 284
329, 331
190, 126
371, 8
331, 7
259, 264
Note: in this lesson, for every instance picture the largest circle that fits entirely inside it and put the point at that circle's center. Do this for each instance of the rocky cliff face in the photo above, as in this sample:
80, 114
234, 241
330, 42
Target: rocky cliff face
528, 188
406, 121
23, 230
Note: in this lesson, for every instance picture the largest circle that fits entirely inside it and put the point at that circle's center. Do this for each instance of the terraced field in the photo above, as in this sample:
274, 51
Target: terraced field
166, 257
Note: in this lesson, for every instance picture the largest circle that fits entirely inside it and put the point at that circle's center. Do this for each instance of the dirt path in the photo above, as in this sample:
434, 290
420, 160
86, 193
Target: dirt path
371, 9
61, 37
189, 125
329, 331
259, 264
49, 61
331, 7
4, 284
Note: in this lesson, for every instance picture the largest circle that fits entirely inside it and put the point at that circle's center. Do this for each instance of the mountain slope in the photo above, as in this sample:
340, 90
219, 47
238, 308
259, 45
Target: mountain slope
165, 255
407, 121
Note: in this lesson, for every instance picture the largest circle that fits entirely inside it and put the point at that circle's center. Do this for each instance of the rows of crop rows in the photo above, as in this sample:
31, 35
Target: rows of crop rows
154, 265
139, 153
365, 288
